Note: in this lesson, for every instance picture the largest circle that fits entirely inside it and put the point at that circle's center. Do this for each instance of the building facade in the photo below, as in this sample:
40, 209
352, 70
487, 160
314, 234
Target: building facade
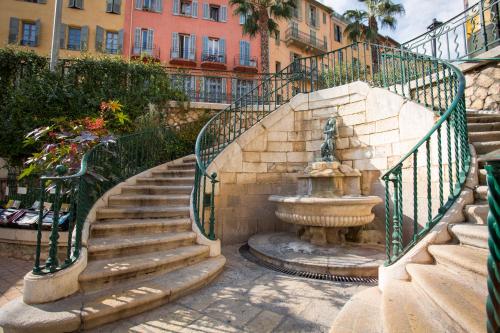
92, 26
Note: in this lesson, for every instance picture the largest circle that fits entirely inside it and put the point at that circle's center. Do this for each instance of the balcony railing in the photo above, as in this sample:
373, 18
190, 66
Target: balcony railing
211, 57
240, 60
183, 55
305, 40
153, 52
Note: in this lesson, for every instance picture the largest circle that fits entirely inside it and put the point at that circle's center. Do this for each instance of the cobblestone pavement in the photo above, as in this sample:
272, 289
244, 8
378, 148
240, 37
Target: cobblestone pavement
12, 272
246, 298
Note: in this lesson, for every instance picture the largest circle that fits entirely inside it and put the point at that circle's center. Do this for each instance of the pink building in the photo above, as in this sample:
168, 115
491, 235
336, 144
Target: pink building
200, 38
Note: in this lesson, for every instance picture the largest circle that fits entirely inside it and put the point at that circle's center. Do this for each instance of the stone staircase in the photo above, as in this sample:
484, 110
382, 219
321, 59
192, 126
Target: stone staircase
450, 294
142, 253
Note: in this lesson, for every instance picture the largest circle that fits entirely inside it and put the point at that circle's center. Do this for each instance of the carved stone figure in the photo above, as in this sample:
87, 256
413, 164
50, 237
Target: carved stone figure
328, 147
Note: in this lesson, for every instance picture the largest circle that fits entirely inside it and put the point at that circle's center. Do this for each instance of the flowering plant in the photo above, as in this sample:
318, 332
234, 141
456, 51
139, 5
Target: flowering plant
66, 141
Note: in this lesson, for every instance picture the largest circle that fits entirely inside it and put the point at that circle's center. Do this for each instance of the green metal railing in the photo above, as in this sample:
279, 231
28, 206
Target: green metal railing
493, 301
103, 167
466, 35
439, 162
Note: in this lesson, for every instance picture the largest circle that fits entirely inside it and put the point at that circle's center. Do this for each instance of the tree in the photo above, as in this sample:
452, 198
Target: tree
365, 23
261, 17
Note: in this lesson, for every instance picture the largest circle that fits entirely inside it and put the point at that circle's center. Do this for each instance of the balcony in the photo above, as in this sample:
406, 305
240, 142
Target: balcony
146, 53
211, 60
182, 58
245, 64
305, 41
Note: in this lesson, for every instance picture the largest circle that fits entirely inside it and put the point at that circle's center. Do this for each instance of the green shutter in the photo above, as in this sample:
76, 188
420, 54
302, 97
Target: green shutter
13, 30
99, 38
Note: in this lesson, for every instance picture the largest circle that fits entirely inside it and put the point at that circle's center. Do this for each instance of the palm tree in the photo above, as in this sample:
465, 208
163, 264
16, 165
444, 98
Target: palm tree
261, 16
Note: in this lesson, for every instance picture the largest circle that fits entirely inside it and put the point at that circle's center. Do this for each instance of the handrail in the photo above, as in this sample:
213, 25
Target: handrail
101, 168
426, 80
475, 30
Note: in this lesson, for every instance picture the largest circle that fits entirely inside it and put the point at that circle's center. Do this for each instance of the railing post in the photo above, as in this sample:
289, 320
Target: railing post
213, 180
37, 269
493, 300
53, 261
483, 24
397, 232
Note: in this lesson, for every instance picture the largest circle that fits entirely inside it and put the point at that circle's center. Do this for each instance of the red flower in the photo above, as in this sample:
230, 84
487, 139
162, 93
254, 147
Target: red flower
93, 125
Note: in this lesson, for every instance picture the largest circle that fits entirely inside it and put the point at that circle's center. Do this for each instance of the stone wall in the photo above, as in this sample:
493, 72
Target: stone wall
375, 128
483, 87
177, 114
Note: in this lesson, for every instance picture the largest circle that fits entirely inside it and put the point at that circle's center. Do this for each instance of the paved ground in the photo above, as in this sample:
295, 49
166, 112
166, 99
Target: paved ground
12, 272
247, 298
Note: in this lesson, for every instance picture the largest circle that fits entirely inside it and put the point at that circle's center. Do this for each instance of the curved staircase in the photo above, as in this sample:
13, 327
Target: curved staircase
450, 294
142, 253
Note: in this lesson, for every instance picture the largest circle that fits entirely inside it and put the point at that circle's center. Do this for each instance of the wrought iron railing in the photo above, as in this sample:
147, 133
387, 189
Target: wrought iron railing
153, 52
426, 80
103, 167
475, 30
247, 61
493, 301
307, 39
213, 57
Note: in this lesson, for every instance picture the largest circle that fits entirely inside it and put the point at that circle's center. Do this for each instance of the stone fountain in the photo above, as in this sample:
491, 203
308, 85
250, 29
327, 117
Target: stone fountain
327, 204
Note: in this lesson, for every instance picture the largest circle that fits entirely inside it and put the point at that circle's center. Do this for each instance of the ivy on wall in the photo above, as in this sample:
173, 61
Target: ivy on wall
32, 96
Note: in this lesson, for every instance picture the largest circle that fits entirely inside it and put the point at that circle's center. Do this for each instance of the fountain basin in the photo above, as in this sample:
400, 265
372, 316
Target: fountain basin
334, 212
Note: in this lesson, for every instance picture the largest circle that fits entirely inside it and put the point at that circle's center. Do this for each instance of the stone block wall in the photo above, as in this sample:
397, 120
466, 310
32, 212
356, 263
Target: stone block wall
483, 87
177, 114
376, 127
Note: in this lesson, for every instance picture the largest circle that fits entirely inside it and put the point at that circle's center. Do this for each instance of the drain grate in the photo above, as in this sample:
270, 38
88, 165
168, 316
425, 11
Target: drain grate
245, 253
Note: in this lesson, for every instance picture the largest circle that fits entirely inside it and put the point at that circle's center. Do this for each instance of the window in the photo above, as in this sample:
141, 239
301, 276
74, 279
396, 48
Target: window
185, 8
214, 90
324, 18
312, 16
278, 67
242, 88
29, 34
143, 41
183, 46
35, 1
243, 19
313, 37
184, 41
277, 37
78, 4
113, 6
338, 34
325, 42
74, 38
112, 42
296, 10
149, 5
245, 54
184, 83
215, 13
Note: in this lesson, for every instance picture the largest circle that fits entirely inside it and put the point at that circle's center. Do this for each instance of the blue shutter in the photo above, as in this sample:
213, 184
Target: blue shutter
202, 88
99, 38
138, 4
194, 9
242, 52
206, 11
120, 41
192, 47
224, 90
222, 49
13, 30
176, 7
149, 42
159, 6
204, 46
223, 15
84, 39
37, 32
175, 45
137, 40
243, 19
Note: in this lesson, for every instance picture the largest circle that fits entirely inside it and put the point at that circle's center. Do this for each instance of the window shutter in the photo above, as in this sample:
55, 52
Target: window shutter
42, 1
120, 41
138, 4
194, 9
99, 38
202, 87
222, 48
224, 89
223, 15
37, 32
62, 36
206, 10
109, 6
117, 5
316, 12
234, 91
242, 19
299, 9
192, 47
242, 52
204, 43
158, 6
175, 10
149, 42
13, 30
79, 4
175, 45
137, 40
84, 38
71, 3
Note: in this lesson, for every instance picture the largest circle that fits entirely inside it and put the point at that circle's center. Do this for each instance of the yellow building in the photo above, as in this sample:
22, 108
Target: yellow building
93, 26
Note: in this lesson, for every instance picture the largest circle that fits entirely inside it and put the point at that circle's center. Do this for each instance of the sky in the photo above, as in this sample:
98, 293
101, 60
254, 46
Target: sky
419, 14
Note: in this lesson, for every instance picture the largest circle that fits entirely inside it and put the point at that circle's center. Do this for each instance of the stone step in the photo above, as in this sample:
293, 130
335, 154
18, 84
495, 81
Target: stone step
104, 273
493, 118
486, 147
483, 127
481, 192
458, 257
141, 200
185, 165
173, 173
124, 300
471, 234
470, 112
484, 136
482, 176
110, 247
165, 181
157, 189
142, 212
107, 228
461, 295
485, 158
361, 314
189, 159
477, 213
406, 309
